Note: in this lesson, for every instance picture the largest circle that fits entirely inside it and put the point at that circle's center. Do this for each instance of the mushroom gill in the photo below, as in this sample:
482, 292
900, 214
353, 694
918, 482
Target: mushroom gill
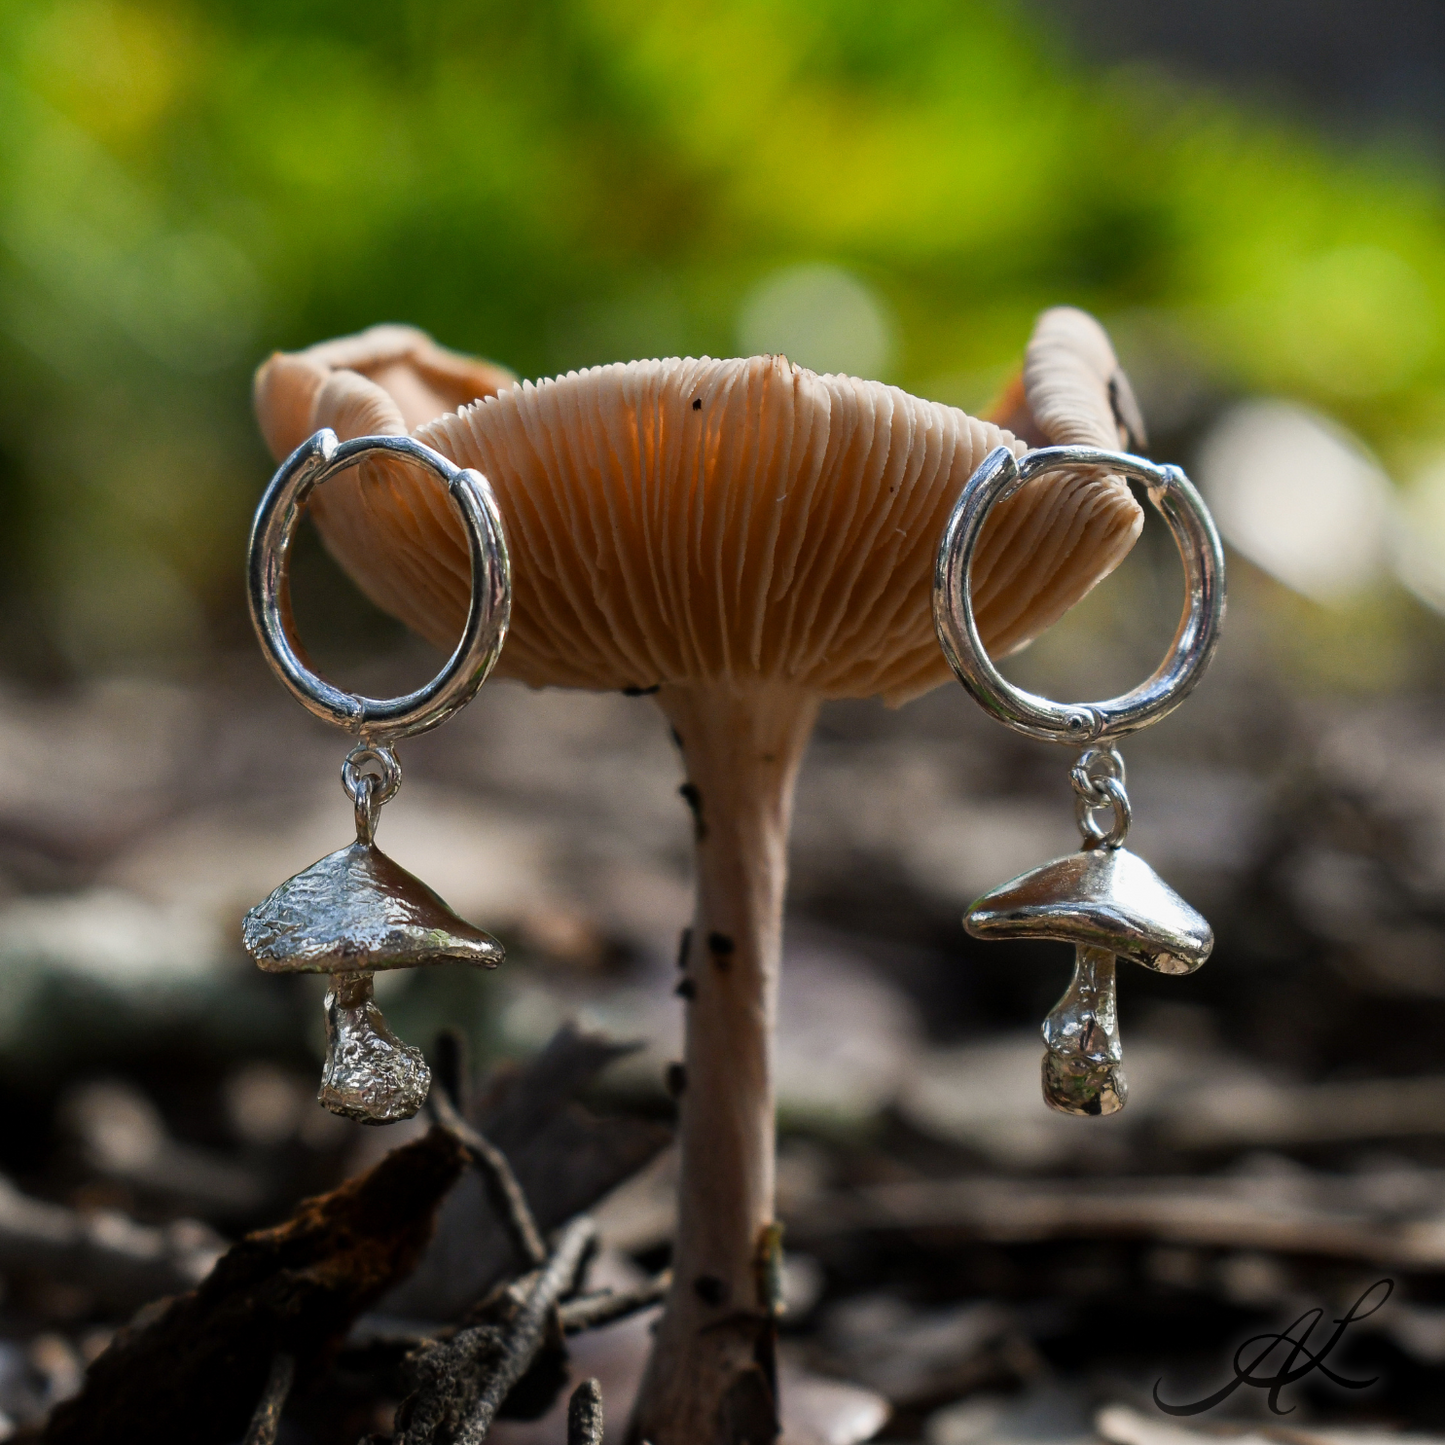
750, 538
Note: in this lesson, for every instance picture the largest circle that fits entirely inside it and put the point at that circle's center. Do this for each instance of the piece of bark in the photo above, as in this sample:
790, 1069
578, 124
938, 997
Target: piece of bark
194, 1375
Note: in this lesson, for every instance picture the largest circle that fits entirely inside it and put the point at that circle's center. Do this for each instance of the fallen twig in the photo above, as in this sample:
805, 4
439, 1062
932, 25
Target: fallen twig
1267, 1115
592, 1311
377, 1337
563, 1157
584, 1312
584, 1414
462, 1382
267, 1419
1310, 1217
506, 1194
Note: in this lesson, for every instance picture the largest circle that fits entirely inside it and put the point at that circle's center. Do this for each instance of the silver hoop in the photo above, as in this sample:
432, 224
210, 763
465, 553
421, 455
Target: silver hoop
379, 719
1195, 639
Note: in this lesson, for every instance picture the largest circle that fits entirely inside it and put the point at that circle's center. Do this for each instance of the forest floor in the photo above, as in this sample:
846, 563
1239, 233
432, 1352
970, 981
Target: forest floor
959, 1259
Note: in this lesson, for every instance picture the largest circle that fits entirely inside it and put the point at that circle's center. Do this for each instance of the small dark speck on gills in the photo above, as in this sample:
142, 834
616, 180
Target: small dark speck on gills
642, 691
697, 403
684, 943
686, 989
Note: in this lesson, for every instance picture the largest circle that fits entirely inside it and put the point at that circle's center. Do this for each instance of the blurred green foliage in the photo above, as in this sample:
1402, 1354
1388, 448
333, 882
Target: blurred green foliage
184, 186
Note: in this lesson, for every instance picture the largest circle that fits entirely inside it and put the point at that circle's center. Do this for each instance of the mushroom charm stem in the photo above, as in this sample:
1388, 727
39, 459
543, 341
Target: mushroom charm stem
711, 1367
1083, 1066
370, 1075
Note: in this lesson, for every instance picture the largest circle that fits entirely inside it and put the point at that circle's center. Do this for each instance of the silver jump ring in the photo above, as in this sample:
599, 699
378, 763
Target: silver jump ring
1106, 763
1195, 639
366, 808
315, 462
1112, 796
378, 766
371, 777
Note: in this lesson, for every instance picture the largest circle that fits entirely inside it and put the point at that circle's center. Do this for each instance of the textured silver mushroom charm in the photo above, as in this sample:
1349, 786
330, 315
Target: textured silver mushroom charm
1109, 903
355, 912
352, 915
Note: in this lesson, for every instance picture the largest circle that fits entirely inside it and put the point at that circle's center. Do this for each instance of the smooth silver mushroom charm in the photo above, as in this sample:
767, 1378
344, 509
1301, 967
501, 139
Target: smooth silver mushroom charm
1104, 900
1109, 903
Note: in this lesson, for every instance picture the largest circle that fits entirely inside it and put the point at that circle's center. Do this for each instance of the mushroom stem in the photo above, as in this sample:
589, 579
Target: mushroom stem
370, 1075
1083, 1066
711, 1374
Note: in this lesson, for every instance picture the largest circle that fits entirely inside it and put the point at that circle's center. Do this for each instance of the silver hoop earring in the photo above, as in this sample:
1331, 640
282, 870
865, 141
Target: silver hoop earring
356, 912
1104, 900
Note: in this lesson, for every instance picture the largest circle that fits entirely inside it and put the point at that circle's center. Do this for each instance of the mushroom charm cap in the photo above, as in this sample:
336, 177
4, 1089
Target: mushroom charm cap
358, 911
704, 522
1105, 898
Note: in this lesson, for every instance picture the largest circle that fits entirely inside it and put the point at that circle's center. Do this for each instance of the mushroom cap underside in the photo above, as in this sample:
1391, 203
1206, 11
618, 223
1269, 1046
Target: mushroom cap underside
356, 910
692, 521
1099, 898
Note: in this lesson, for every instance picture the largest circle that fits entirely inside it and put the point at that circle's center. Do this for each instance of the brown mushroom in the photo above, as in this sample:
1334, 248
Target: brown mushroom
749, 538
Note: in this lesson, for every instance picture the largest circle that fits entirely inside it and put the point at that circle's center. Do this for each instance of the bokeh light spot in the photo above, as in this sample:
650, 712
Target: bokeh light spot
820, 317
1299, 497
